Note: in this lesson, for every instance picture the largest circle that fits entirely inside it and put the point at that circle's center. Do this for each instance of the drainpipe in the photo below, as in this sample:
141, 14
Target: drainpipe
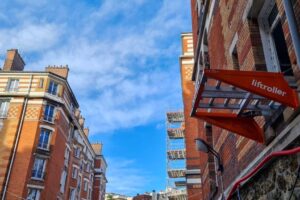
288, 7
20, 125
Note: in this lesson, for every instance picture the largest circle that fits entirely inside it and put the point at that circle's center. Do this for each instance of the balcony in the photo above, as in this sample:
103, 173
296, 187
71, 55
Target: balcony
175, 117
176, 193
180, 183
176, 133
179, 154
176, 173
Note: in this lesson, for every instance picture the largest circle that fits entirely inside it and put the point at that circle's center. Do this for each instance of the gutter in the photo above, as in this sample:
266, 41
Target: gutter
16, 143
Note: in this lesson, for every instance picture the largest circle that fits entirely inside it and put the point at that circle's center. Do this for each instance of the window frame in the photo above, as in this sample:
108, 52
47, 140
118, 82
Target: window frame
36, 195
265, 30
72, 193
43, 169
4, 109
63, 180
43, 130
53, 87
13, 82
74, 172
47, 116
85, 186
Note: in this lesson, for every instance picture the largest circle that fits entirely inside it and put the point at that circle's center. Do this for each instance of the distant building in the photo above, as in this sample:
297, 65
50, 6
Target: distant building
192, 127
114, 196
44, 148
142, 197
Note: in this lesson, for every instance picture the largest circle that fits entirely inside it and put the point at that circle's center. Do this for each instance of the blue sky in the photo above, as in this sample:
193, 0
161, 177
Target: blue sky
124, 70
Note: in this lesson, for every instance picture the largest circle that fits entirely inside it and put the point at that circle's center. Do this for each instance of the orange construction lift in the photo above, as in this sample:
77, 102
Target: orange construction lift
231, 99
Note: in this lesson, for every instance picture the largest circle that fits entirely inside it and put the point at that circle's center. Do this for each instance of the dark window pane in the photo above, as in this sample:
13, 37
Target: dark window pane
273, 15
281, 49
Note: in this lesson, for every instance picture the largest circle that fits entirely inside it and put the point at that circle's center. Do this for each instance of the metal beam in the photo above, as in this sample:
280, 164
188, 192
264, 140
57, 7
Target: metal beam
237, 107
227, 93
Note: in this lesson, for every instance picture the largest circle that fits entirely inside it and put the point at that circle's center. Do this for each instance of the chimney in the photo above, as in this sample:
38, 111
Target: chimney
77, 113
86, 131
81, 121
13, 61
58, 70
97, 148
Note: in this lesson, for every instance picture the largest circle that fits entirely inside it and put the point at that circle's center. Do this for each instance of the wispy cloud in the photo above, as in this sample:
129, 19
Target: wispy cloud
30, 37
121, 56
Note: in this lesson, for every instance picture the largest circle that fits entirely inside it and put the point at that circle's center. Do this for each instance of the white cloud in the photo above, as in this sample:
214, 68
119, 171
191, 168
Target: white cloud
30, 37
120, 74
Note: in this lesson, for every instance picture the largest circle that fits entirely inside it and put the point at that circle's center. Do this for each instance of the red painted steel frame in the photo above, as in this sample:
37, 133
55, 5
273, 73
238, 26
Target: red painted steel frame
266, 159
243, 126
270, 85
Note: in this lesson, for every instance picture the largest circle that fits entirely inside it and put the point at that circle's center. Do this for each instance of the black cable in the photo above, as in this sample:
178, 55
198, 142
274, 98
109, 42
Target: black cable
298, 174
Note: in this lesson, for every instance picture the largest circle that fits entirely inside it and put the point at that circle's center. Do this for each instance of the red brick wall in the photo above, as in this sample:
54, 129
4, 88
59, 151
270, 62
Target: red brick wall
193, 160
195, 23
237, 152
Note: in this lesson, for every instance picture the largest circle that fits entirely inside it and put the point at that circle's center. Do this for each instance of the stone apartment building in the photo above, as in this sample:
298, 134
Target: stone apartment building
240, 96
44, 148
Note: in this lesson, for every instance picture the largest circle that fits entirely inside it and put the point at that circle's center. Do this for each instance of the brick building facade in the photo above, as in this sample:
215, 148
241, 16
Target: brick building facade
192, 172
248, 36
44, 148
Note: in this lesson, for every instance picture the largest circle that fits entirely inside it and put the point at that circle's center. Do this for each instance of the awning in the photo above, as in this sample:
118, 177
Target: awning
230, 99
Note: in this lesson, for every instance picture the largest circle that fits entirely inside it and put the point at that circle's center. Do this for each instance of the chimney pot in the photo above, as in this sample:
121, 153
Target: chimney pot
62, 71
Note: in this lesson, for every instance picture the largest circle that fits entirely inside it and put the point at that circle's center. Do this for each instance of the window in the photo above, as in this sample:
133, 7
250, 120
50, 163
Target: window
72, 194
81, 165
44, 139
33, 194
63, 181
38, 168
74, 172
13, 85
41, 83
71, 132
87, 168
52, 89
79, 184
85, 185
67, 156
274, 44
89, 194
77, 152
3, 108
49, 113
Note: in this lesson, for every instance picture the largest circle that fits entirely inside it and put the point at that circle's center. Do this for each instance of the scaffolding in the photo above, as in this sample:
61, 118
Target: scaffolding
176, 155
